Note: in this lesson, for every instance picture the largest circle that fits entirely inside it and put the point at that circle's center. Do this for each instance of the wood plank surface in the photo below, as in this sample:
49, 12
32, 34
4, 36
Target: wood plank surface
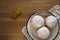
12, 29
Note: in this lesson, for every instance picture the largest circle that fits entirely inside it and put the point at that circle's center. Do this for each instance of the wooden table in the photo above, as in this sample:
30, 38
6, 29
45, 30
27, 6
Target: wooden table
11, 29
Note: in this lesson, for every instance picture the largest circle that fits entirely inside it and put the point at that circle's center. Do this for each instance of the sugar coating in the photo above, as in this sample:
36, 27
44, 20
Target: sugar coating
51, 21
38, 21
43, 32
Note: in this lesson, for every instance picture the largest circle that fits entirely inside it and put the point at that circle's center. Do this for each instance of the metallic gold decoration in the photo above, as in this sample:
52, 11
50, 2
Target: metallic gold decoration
16, 13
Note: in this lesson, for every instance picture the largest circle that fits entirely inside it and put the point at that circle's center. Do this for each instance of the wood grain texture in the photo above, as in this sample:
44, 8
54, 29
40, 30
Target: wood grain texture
12, 29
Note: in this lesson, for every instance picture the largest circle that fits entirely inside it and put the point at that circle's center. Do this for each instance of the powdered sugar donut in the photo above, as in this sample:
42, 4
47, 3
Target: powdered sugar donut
37, 21
43, 32
51, 21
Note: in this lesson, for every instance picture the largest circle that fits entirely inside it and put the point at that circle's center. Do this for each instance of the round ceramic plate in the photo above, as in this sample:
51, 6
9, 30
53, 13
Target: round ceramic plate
30, 30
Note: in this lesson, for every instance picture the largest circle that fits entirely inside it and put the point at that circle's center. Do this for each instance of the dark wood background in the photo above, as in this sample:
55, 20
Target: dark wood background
12, 29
